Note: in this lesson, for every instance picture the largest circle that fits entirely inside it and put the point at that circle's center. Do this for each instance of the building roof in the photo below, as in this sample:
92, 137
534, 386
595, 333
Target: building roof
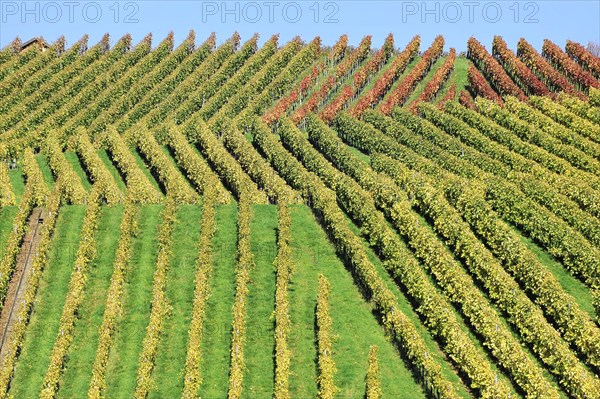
38, 41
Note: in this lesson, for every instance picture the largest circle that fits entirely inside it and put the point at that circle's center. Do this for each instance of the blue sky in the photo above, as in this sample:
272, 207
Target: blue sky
456, 20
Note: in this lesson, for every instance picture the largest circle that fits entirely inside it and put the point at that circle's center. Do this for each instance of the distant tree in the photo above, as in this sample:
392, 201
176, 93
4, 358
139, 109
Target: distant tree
594, 48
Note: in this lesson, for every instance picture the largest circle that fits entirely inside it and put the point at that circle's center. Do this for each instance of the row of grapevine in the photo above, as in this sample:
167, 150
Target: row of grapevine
16, 79
51, 69
196, 168
211, 95
574, 324
96, 169
362, 76
375, 141
256, 167
303, 88
159, 305
510, 193
565, 249
583, 57
114, 306
118, 87
373, 388
561, 61
479, 86
225, 165
234, 96
45, 91
449, 96
245, 263
359, 79
73, 191
581, 108
192, 378
594, 97
567, 118
40, 261
544, 139
224, 57
35, 180
492, 70
163, 89
534, 328
7, 197
465, 99
538, 182
517, 70
398, 65
174, 182
324, 325
437, 80
86, 252
398, 259
141, 84
587, 224
106, 73
139, 187
400, 94
544, 71
280, 83
450, 276
45, 113
348, 245
15, 238
331, 84
283, 267
13, 58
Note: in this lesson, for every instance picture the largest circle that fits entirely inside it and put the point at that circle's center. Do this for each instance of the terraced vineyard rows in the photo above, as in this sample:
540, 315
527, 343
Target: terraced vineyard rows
295, 220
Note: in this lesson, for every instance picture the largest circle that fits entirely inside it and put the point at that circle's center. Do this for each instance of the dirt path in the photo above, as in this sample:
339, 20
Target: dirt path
18, 282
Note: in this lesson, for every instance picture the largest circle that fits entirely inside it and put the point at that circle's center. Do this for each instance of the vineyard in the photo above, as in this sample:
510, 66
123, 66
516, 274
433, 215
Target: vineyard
296, 220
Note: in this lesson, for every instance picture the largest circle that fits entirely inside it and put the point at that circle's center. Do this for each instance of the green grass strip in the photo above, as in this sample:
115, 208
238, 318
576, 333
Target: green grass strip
78, 368
123, 360
217, 327
76, 165
7, 217
46, 172
170, 360
113, 170
45, 319
260, 327
353, 324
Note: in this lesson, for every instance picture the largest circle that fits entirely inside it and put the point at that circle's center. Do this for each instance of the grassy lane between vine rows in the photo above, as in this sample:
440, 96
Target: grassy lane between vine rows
260, 339
17, 182
112, 169
423, 82
214, 368
45, 319
7, 217
73, 160
354, 326
570, 284
123, 360
46, 172
170, 360
78, 367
